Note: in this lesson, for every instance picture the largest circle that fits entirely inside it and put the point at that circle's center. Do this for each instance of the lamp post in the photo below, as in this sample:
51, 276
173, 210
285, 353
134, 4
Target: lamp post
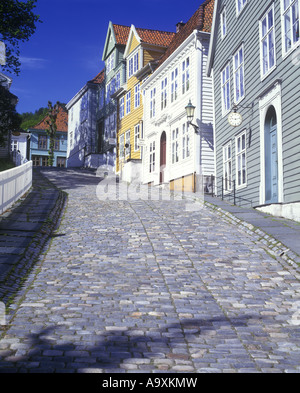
190, 111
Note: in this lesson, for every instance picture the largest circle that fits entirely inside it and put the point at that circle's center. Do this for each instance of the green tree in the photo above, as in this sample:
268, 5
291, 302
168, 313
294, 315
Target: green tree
17, 24
30, 119
10, 120
52, 128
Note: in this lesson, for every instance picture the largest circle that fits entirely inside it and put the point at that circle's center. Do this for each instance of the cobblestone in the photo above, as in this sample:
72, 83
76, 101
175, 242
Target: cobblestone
132, 286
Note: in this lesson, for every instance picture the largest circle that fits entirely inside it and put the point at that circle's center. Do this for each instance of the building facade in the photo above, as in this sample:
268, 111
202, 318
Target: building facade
40, 142
144, 48
256, 72
20, 142
5, 83
174, 153
83, 138
115, 77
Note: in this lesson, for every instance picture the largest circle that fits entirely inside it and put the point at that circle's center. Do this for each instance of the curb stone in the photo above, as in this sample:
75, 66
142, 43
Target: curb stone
275, 247
12, 288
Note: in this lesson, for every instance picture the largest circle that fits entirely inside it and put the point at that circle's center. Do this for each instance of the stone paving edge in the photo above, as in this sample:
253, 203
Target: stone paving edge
13, 285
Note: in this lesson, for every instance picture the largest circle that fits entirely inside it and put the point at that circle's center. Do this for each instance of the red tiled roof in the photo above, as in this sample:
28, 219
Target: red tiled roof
155, 37
121, 34
61, 121
99, 78
201, 20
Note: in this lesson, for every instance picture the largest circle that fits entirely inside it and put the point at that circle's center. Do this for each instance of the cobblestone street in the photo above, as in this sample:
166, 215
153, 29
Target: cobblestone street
147, 286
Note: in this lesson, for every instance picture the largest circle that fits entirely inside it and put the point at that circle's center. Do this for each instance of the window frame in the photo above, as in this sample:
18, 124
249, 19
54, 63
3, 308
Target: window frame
186, 75
175, 145
122, 108
227, 168
152, 157
152, 102
42, 142
225, 109
133, 64
174, 84
241, 67
137, 133
242, 4
137, 96
128, 102
295, 44
186, 153
241, 165
265, 37
110, 63
127, 141
164, 93
223, 17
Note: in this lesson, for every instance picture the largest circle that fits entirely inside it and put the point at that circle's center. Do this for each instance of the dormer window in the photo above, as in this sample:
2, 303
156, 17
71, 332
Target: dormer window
133, 65
110, 64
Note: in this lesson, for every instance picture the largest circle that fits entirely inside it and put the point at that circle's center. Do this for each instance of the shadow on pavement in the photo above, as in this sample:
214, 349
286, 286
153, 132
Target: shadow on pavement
112, 349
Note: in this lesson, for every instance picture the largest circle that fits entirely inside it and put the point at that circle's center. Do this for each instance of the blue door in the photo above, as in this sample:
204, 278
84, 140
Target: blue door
271, 157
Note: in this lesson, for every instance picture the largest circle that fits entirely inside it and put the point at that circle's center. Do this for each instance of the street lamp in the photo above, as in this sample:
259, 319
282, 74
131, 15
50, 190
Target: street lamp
190, 111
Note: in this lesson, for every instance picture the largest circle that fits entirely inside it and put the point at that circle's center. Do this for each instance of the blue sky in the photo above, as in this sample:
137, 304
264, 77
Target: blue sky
66, 49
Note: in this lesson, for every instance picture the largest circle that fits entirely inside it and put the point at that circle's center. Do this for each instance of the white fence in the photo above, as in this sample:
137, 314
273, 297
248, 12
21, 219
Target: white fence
14, 183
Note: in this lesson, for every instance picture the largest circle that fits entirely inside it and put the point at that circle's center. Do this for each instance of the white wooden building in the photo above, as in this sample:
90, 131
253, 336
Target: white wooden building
174, 153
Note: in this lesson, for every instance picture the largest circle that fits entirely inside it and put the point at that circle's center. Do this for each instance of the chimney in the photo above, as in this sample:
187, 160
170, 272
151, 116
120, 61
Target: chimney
179, 26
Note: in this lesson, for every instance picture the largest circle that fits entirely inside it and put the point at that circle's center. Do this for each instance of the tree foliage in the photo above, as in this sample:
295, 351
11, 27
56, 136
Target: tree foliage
52, 128
17, 24
10, 120
31, 119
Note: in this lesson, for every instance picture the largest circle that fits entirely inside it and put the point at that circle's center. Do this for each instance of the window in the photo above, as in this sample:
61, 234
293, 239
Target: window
267, 34
186, 75
121, 146
135, 62
44, 161
137, 96
61, 162
42, 143
152, 157
174, 85
121, 109
56, 144
133, 65
35, 160
238, 75
223, 23
240, 4
225, 81
128, 102
227, 167
291, 24
241, 159
110, 89
14, 145
118, 81
127, 143
175, 146
185, 141
164, 93
152, 102
136, 137
110, 62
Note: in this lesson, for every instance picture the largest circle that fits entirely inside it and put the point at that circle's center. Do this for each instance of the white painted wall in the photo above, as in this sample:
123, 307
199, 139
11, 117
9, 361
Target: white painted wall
14, 183
287, 210
174, 115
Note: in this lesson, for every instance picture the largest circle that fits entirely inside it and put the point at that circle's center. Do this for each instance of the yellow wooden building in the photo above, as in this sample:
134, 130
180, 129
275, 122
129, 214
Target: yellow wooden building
143, 50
